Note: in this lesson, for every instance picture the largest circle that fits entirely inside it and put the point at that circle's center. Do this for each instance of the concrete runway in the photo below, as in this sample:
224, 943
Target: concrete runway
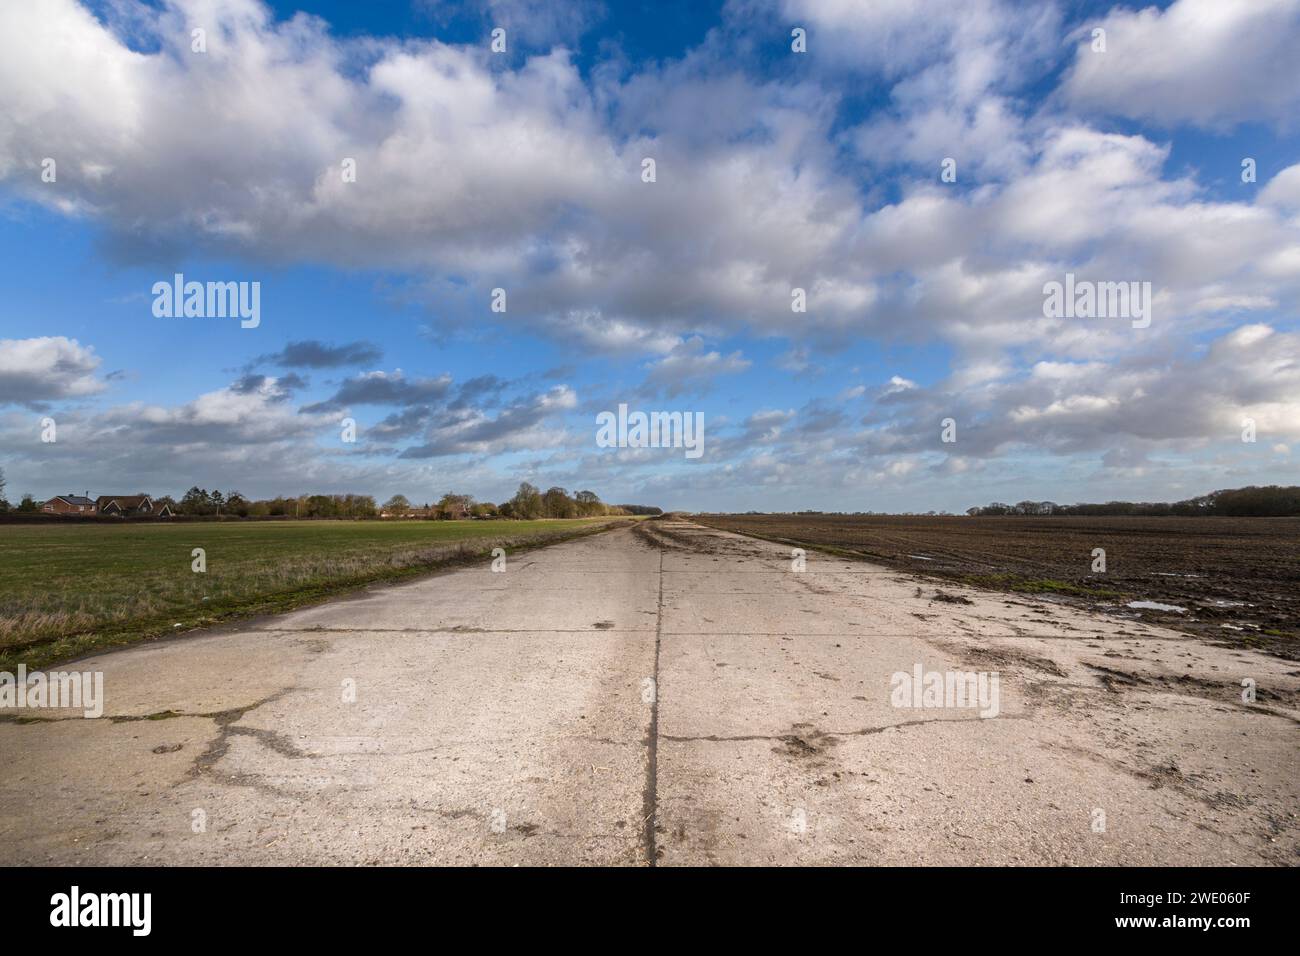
667, 694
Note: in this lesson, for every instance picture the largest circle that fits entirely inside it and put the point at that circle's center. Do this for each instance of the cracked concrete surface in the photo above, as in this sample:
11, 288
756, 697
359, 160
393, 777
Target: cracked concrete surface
508, 718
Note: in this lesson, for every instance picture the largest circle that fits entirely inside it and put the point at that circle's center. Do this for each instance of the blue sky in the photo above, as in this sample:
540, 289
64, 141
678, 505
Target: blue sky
775, 170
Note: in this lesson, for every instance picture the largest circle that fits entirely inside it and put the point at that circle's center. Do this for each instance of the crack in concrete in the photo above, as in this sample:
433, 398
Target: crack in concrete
217, 715
650, 799
226, 720
797, 739
458, 629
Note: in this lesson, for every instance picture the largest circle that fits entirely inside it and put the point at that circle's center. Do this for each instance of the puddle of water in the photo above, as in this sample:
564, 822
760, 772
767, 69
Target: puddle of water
920, 557
1156, 606
1171, 574
1115, 611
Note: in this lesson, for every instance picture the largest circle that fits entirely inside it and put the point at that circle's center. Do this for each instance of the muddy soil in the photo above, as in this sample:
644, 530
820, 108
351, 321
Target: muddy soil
1231, 580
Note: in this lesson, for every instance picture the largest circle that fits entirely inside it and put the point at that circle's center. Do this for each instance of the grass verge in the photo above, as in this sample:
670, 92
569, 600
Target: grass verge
69, 591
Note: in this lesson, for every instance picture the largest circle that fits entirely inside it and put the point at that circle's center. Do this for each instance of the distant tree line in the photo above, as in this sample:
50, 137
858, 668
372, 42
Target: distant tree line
199, 502
640, 509
528, 502
1254, 501
555, 502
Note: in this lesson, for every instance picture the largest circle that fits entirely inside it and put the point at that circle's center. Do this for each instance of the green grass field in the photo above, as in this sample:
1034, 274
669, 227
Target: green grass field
68, 589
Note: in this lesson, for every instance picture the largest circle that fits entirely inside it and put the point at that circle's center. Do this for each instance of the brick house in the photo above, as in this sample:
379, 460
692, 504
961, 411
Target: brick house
124, 505
70, 505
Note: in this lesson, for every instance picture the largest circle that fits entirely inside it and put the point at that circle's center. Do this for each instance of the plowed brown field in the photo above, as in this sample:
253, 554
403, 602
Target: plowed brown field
1236, 579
